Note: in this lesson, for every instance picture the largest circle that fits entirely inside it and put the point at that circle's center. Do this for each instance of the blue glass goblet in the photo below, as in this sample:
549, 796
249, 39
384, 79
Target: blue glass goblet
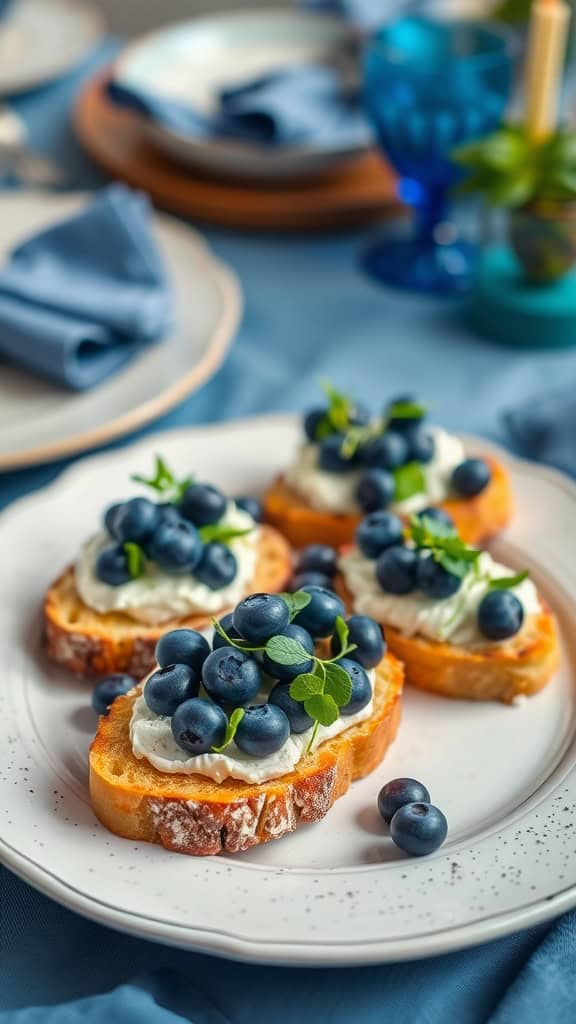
428, 87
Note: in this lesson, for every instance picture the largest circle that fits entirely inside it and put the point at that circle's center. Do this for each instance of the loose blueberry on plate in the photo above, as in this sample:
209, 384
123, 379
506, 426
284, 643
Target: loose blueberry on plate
471, 477
319, 616
169, 687
388, 451
231, 676
396, 570
437, 515
418, 828
182, 647
379, 531
260, 616
361, 687
293, 709
500, 615
228, 627
375, 490
368, 636
310, 579
330, 457
176, 547
252, 506
198, 725
312, 421
288, 672
105, 692
434, 580
399, 792
263, 730
136, 520
112, 566
111, 517
217, 566
203, 504
317, 558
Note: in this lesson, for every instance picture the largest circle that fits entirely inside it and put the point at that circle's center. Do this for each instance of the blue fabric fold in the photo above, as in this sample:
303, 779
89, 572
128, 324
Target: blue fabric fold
368, 14
298, 104
78, 300
544, 429
5, 6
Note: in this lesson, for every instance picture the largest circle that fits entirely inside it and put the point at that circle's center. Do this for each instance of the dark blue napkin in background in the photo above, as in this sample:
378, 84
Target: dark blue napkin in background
368, 14
544, 429
5, 6
79, 299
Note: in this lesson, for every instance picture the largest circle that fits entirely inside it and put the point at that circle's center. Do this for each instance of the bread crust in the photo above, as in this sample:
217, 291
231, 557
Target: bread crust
476, 519
88, 643
191, 814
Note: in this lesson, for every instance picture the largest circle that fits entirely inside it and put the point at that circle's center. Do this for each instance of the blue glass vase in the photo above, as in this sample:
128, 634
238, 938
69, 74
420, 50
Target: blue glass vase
428, 87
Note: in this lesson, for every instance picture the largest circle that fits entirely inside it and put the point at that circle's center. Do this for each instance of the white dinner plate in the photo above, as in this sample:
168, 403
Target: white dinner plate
40, 422
193, 61
337, 892
43, 39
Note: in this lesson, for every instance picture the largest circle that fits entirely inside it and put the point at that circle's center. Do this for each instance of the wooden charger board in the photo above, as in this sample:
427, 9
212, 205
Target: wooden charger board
358, 193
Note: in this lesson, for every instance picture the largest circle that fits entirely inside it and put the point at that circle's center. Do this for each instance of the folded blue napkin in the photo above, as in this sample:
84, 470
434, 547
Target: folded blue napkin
544, 429
4, 6
79, 299
368, 14
299, 104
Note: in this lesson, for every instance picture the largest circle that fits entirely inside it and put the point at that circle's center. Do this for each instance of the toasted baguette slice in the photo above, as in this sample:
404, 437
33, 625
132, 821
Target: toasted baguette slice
89, 643
191, 814
476, 519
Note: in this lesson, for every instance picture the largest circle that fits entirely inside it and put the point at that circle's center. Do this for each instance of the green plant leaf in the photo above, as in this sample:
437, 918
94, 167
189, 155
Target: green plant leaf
342, 632
136, 559
408, 480
286, 651
338, 684
305, 686
406, 411
339, 407
164, 482
231, 729
221, 533
322, 708
296, 602
507, 582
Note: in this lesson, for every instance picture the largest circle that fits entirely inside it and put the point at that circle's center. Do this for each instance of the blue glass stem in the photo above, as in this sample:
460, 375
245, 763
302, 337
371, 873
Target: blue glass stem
430, 212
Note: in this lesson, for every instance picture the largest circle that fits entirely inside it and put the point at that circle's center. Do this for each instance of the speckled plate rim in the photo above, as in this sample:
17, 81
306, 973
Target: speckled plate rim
341, 952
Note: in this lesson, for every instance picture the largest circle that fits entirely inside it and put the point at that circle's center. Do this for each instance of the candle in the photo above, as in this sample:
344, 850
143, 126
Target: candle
546, 49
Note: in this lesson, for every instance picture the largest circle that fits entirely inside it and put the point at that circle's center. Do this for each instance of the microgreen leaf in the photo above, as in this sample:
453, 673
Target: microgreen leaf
231, 729
296, 602
164, 482
136, 559
323, 708
338, 684
444, 544
339, 407
221, 533
286, 651
507, 582
305, 686
408, 480
406, 411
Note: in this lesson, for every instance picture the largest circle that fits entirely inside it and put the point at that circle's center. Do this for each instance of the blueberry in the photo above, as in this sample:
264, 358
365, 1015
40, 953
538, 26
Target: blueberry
379, 531
418, 828
375, 490
105, 692
500, 615
421, 444
136, 520
293, 709
310, 579
471, 477
361, 687
437, 515
388, 451
228, 627
112, 566
312, 421
168, 513
182, 647
434, 580
217, 566
203, 504
398, 793
198, 725
288, 672
402, 422
396, 570
263, 730
319, 616
252, 506
111, 517
260, 616
231, 676
317, 558
176, 547
368, 636
169, 687
330, 457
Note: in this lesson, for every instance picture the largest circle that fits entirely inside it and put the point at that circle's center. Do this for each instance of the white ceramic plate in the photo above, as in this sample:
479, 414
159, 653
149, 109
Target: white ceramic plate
40, 422
337, 892
42, 39
193, 61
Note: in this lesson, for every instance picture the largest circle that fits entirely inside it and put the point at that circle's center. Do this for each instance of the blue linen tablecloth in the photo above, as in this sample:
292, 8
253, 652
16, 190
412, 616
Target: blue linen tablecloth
309, 313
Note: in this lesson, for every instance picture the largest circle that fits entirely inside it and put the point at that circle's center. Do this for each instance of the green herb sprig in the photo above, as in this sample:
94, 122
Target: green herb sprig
164, 482
136, 559
231, 729
221, 533
444, 545
508, 582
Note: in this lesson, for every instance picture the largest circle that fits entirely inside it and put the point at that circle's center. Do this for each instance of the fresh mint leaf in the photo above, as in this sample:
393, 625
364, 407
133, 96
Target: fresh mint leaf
221, 533
286, 651
435, 527
136, 559
305, 686
342, 631
456, 566
164, 482
231, 729
408, 480
339, 408
338, 684
507, 582
407, 411
322, 708
296, 602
